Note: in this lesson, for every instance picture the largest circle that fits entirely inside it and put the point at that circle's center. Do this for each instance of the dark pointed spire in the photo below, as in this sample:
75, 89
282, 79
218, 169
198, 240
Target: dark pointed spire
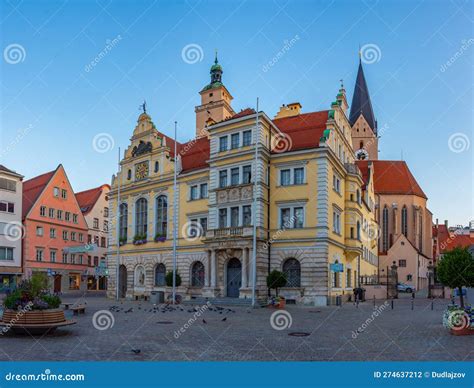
361, 104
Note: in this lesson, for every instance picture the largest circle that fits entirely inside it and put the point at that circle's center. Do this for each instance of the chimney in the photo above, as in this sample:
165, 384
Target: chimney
293, 109
446, 223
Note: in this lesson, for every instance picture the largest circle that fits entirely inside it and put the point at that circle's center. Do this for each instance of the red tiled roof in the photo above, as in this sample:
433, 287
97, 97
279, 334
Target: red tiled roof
32, 189
87, 198
244, 112
456, 241
194, 154
304, 130
393, 177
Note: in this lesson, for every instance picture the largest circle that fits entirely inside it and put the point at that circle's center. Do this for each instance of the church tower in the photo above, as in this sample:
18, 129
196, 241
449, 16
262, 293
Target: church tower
364, 126
215, 102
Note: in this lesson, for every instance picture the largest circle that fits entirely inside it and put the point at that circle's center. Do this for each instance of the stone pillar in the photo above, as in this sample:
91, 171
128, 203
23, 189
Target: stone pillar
207, 274
213, 268
245, 263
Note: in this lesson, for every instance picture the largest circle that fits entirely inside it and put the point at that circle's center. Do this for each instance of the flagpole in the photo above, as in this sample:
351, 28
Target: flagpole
117, 228
175, 200
254, 211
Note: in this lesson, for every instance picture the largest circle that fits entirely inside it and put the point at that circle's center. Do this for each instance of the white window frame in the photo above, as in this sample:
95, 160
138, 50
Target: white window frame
292, 207
292, 175
336, 216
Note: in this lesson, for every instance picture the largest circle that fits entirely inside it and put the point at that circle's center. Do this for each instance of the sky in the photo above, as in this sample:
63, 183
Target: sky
74, 73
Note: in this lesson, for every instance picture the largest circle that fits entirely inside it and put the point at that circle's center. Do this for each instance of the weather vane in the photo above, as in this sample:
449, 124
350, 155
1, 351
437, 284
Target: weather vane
342, 83
143, 106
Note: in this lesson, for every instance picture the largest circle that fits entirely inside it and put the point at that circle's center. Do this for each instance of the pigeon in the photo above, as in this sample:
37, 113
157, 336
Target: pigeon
136, 351
204, 321
224, 319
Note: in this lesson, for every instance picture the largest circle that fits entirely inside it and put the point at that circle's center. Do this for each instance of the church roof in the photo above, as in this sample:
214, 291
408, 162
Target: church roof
392, 177
361, 103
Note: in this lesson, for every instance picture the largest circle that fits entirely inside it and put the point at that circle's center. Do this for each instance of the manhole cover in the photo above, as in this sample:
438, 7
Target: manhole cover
299, 334
165, 322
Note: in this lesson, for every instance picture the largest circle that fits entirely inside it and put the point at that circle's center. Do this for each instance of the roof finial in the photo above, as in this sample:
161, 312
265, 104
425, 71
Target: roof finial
360, 54
342, 83
215, 61
143, 106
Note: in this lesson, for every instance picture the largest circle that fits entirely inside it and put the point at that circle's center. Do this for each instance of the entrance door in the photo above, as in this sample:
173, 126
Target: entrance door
122, 281
234, 278
57, 284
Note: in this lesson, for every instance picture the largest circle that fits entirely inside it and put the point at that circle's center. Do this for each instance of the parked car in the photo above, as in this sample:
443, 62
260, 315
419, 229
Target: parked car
402, 287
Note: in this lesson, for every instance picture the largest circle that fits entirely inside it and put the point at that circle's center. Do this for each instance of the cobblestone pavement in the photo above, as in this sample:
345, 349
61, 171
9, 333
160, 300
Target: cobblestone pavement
247, 334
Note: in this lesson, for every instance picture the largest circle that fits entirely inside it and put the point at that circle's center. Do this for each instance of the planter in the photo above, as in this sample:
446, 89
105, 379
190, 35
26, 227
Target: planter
160, 239
463, 331
34, 322
139, 242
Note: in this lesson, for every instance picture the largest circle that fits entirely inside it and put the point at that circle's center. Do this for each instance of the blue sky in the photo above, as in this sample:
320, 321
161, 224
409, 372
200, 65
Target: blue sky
421, 82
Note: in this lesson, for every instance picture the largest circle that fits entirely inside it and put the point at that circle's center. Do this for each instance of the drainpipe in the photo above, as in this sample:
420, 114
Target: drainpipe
269, 243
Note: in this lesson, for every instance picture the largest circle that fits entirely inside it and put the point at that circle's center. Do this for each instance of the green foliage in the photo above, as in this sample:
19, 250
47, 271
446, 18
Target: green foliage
276, 280
10, 301
456, 270
169, 279
53, 301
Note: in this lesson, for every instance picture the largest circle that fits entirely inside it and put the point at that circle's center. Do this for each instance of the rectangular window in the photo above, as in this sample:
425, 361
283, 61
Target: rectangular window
64, 258
43, 211
80, 259
67, 216
247, 138
102, 242
106, 226
246, 215
8, 207
7, 184
234, 216
336, 219
52, 233
52, 255
193, 230
6, 253
39, 231
51, 213
298, 176
203, 190
73, 258
74, 218
348, 278
39, 254
194, 193
106, 211
234, 176
65, 236
336, 184
95, 223
402, 263
222, 218
73, 236
247, 174
223, 178
285, 218
59, 214
203, 222
223, 143
285, 177
298, 217
235, 140
81, 237
64, 193
56, 191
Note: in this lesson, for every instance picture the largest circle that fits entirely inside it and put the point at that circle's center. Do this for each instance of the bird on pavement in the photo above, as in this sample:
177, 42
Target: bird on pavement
204, 321
136, 351
224, 319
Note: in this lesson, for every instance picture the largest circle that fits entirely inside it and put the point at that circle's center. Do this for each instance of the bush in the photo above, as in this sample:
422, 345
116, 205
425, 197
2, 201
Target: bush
53, 301
169, 279
276, 280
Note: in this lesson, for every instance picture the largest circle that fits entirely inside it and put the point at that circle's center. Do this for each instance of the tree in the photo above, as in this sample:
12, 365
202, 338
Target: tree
169, 279
276, 280
456, 270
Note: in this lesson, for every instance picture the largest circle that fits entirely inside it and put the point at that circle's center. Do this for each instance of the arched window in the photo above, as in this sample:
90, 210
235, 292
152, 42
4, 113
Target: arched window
160, 275
123, 222
197, 274
140, 276
157, 166
292, 270
358, 230
405, 221
161, 216
385, 229
141, 217
361, 145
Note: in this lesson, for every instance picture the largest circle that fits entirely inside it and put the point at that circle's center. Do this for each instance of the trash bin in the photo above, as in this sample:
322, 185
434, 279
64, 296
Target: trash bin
338, 300
161, 296
362, 294
154, 297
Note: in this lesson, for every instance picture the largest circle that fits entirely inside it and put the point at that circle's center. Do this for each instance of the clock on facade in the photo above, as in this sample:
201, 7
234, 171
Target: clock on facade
361, 154
141, 170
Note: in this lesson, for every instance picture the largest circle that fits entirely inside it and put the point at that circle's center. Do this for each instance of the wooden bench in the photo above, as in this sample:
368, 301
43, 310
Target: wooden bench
34, 322
78, 309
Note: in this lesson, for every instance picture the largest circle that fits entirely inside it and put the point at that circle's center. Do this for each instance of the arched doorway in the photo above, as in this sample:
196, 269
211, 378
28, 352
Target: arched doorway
122, 281
234, 277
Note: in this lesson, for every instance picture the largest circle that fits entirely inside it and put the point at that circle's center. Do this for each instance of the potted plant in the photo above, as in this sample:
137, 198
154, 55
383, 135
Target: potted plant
139, 239
32, 308
276, 280
169, 283
160, 237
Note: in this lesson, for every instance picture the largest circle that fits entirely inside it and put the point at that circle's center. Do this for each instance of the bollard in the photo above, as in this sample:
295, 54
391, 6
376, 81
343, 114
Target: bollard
431, 304
392, 304
374, 301
412, 304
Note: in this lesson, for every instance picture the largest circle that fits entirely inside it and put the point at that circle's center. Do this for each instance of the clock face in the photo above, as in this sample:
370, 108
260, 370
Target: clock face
362, 154
141, 171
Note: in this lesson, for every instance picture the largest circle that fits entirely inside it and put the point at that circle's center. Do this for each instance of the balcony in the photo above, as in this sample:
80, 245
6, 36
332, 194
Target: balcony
237, 231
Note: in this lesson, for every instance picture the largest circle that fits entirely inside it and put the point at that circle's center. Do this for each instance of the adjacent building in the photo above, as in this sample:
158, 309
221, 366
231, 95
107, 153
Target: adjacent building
446, 238
56, 232
11, 231
291, 181
95, 208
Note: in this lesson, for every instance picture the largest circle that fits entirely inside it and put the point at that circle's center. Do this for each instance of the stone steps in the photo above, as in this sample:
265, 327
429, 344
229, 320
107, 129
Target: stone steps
225, 301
